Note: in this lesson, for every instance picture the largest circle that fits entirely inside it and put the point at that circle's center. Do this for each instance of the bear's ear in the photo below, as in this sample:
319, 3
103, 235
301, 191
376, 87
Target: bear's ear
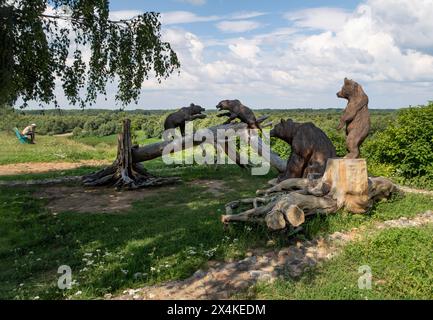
346, 80
192, 105
282, 121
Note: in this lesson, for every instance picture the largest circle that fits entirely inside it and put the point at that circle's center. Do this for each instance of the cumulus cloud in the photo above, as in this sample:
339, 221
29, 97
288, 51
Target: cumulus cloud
409, 22
238, 26
386, 45
287, 67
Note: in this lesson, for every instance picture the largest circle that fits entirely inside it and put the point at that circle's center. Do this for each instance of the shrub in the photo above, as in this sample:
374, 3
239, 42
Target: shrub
407, 144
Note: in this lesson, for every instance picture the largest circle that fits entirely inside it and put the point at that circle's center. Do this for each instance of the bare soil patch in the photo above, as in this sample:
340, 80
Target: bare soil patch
107, 200
216, 187
93, 200
41, 167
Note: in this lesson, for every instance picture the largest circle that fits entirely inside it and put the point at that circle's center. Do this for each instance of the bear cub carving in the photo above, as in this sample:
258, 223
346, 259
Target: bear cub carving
237, 110
177, 119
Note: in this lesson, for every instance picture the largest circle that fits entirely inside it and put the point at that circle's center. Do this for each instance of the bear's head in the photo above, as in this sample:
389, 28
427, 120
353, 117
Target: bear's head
228, 104
196, 109
284, 130
348, 90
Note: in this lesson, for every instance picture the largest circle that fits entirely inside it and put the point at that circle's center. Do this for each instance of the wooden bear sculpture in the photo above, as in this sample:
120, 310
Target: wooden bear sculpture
356, 117
311, 148
237, 110
177, 119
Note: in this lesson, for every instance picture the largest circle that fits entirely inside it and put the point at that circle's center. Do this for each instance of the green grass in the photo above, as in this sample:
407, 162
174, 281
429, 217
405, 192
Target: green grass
93, 141
61, 148
163, 237
399, 206
170, 235
180, 229
400, 260
49, 149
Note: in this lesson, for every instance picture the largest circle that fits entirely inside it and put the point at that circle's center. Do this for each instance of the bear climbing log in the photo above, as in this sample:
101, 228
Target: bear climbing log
237, 110
179, 118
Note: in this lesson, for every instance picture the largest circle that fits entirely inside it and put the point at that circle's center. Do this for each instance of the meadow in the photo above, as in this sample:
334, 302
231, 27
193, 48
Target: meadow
168, 233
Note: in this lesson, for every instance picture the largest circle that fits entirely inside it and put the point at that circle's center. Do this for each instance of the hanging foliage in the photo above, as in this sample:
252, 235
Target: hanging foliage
75, 44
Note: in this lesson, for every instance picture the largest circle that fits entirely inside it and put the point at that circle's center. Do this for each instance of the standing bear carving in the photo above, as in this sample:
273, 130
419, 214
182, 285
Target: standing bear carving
177, 119
237, 110
311, 148
355, 117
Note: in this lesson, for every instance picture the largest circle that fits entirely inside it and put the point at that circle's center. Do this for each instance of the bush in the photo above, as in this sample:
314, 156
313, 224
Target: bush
77, 132
407, 144
280, 147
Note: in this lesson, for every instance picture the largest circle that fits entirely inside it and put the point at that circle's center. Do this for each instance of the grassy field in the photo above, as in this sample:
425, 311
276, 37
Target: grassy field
61, 148
51, 148
172, 233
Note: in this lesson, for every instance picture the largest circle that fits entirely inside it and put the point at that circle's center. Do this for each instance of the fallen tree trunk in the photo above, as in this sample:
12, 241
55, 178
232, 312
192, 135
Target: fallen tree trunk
155, 150
128, 172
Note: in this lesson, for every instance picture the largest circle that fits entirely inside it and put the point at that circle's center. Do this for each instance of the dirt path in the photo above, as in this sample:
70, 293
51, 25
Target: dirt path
222, 280
41, 167
418, 191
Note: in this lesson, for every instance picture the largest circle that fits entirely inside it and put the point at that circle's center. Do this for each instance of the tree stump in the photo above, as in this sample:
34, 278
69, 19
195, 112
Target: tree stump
347, 182
124, 173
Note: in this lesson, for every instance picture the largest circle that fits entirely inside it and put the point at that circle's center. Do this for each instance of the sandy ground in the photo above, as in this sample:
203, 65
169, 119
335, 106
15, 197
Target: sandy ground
41, 167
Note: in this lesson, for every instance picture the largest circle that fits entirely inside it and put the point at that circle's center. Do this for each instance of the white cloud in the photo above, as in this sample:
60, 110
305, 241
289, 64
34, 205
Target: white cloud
319, 18
246, 15
238, 26
289, 68
245, 49
385, 46
124, 14
181, 17
410, 22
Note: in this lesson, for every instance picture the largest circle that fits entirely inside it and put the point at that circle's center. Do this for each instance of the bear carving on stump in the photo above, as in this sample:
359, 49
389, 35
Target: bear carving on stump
311, 148
237, 110
177, 119
356, 117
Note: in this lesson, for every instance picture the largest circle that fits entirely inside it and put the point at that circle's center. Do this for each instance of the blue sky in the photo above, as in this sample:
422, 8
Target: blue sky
289, 54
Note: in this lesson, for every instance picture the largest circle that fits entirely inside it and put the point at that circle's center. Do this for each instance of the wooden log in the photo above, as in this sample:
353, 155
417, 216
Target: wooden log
295, 215
128, 172
155, 150
275, 221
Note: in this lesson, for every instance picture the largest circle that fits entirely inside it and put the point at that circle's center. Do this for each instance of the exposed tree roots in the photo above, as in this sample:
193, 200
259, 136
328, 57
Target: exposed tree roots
124, 173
